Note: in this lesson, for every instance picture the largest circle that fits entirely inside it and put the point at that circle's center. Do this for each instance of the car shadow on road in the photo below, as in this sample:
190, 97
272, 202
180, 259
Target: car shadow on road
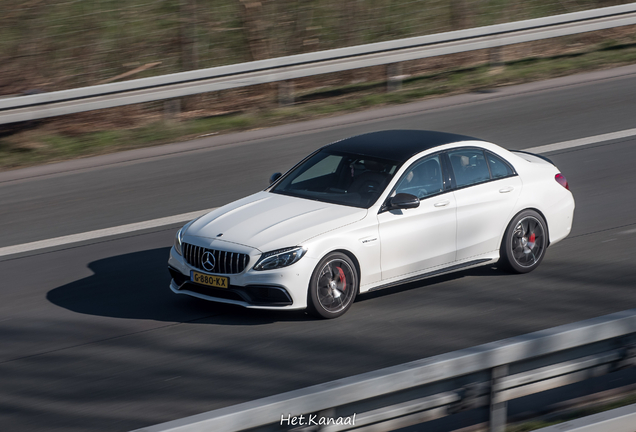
136, 286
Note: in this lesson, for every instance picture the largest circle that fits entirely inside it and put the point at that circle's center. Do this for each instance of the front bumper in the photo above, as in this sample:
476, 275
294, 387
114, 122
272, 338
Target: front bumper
252, 295
284, 288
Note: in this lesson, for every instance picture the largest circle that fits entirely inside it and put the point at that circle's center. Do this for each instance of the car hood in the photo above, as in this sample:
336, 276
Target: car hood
268, 221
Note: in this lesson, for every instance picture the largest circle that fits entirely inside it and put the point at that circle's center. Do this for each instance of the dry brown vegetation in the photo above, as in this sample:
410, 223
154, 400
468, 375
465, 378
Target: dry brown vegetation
50, 45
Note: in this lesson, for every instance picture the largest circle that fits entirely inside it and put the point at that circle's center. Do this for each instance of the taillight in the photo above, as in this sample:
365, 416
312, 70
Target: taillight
560, 178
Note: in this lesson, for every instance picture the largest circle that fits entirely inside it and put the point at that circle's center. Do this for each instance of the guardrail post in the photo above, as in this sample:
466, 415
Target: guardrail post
495, 58
171, 109
498, 410
285, 93
394, 77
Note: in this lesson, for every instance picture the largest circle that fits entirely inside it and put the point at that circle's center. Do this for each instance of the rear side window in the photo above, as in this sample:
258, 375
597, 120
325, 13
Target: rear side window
498, 167
469, 166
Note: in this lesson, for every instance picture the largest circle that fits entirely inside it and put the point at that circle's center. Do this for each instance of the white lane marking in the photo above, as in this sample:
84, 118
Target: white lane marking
582, 141
91, 235
155, 223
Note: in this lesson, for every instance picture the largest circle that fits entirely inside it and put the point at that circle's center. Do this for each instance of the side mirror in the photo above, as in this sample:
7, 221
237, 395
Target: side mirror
403, 201
274, 177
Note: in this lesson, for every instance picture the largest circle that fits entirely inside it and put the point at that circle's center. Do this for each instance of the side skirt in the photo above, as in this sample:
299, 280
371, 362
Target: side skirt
433, 273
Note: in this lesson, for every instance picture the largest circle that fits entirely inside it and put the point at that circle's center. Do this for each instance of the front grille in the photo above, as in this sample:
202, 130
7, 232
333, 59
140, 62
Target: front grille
225, 262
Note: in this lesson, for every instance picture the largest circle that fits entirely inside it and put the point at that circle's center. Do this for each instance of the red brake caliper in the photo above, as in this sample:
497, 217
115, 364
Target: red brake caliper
342, 278
532, 237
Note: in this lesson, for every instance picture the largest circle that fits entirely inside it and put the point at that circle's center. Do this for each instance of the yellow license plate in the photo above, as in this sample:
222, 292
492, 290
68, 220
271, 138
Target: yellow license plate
210, 280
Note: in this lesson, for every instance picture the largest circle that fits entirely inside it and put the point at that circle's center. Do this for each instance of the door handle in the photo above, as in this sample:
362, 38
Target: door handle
442, 204
506, 189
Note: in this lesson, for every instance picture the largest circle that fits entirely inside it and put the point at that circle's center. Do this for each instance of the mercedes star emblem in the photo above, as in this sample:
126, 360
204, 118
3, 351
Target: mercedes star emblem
208, 261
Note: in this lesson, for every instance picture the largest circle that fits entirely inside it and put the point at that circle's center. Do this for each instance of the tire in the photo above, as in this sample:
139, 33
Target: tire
333, 286
524, 242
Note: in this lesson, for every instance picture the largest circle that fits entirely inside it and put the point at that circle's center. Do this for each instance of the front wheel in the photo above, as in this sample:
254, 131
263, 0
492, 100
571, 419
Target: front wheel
524, 242
333, 286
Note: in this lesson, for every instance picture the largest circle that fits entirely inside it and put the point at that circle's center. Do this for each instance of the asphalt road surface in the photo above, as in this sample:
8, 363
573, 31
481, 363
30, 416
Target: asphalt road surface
92, 338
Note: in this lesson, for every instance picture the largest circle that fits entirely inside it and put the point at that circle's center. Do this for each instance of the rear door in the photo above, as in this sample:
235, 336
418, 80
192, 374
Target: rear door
486, 191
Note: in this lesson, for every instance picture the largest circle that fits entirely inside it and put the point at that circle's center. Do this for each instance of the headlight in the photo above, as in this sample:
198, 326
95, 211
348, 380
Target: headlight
280, 258
179, 237
177, 241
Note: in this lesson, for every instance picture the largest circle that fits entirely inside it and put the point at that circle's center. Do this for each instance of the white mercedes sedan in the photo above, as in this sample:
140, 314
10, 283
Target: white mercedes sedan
370, 212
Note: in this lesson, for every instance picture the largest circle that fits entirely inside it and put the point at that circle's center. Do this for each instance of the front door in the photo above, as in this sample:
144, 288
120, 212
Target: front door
414, 241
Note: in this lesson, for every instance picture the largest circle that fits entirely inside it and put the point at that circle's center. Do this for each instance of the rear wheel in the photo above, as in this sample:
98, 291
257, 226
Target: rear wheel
333, 286
524, 242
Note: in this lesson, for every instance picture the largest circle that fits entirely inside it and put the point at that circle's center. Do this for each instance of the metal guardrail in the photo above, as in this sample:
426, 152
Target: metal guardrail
486, 376
617, 420
176, 85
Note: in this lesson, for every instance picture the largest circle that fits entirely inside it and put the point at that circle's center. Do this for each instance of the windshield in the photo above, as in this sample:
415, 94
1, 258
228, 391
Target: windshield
339, 178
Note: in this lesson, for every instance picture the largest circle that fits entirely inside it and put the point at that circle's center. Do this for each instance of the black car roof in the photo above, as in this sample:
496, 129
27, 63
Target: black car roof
395, 145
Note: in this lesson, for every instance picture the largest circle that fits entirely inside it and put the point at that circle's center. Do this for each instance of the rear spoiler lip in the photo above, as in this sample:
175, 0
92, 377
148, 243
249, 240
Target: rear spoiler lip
534, 154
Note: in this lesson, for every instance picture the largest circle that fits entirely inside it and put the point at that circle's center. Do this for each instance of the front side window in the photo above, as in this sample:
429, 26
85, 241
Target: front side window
423, 179
469, 166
